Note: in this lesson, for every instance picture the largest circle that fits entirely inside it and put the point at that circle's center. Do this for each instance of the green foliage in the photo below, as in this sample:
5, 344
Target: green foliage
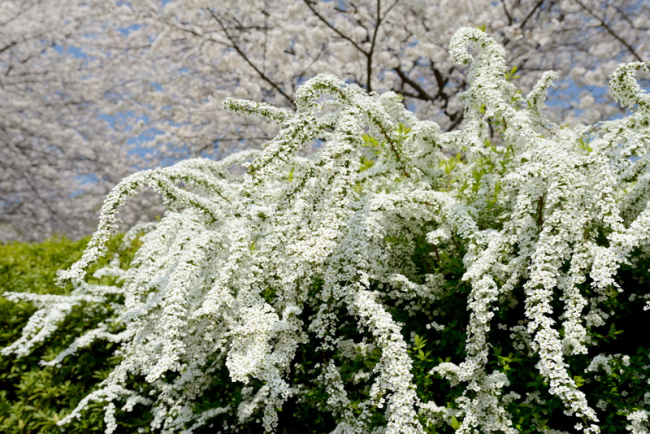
34, 398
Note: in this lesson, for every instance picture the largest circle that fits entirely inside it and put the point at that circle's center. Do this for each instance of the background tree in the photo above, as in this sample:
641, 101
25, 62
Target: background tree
162, 70
57, 153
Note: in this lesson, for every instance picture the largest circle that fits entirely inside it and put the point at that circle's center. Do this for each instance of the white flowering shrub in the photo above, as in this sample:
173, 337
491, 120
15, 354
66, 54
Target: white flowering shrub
400, 279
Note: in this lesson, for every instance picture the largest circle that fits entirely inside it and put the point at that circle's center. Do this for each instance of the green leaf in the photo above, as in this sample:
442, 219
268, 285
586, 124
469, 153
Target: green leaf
578, 380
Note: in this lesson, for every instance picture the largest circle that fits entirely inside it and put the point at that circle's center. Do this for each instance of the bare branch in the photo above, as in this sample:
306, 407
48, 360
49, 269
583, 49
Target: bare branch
610, 31
337, 31
243, 55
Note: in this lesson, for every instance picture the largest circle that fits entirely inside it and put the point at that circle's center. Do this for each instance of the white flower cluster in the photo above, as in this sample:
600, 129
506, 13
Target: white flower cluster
224, 280
604, 362
639, 422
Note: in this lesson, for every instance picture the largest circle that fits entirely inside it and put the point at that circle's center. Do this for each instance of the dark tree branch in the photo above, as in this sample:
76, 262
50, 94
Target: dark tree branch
372, 49
505, 9
337, 31
611, 31
247, 60
422, 94
531, 13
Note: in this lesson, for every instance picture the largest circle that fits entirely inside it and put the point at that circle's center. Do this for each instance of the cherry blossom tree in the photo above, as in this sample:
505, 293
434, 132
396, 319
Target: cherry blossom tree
56, 152
315, 278
81, 77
